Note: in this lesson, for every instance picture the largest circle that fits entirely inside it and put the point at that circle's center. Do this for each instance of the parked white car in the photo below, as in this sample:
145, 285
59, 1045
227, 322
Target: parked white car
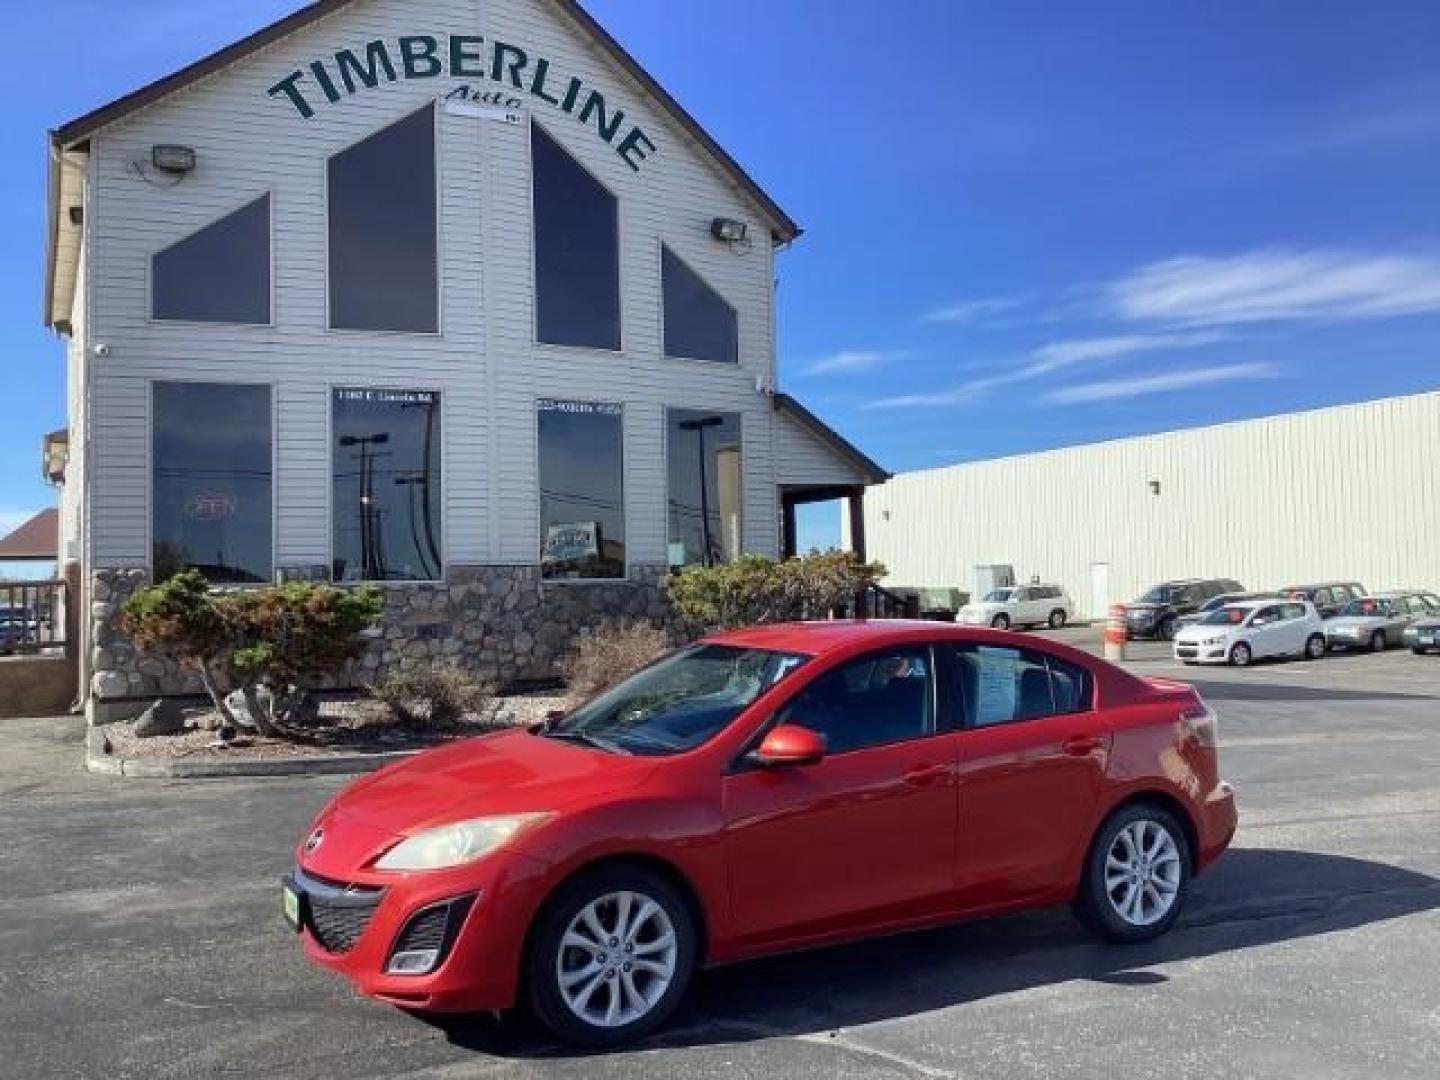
1020, 605
1251, 630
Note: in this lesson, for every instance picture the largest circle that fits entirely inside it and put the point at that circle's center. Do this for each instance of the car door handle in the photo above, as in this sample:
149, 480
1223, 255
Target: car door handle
925, 775
1082, 745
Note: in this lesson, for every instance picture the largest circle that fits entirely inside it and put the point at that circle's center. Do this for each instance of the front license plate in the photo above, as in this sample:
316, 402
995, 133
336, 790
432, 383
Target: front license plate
1429, 639
290, 900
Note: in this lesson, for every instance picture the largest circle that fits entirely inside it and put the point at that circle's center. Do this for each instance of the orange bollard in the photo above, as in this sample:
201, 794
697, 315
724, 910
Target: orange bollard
1116, 634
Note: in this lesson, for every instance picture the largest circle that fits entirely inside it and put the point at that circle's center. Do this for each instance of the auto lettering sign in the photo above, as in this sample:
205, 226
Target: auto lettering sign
571, 543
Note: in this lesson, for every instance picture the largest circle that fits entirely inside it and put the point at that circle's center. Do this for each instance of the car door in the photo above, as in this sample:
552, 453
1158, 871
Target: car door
866, 835
1266, 632
1031, 604
1032, 760
1295, 628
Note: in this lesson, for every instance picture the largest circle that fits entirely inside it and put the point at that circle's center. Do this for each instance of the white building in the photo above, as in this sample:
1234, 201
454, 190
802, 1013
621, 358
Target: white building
448, 294
1349, 493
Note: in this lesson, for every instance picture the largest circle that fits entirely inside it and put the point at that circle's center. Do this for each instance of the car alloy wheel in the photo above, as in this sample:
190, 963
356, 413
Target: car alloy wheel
1315, 647
1057, 619
1377, 641
1001, 622
610, 956
1137, 875
1142, 873
616, 959
1240, 655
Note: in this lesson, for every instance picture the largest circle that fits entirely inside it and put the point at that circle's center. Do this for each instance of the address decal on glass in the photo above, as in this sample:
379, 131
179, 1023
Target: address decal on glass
580, 408
492, 74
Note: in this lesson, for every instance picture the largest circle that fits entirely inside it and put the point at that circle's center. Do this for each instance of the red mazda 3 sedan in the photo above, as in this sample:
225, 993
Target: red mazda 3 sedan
764, 790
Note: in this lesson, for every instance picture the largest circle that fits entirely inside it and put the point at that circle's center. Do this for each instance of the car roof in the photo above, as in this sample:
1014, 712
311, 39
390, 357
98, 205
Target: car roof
843, 635
1260, 601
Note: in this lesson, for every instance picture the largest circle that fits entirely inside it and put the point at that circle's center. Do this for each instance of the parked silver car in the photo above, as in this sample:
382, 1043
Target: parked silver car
1422, 635
1380, 621
1020, 605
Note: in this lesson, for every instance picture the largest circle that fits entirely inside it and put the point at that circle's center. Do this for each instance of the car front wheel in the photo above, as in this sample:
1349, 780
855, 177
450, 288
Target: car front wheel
611, 957
1137, 875
1240, 655
1315, 647
1377, 641
1057, 619
1001, 622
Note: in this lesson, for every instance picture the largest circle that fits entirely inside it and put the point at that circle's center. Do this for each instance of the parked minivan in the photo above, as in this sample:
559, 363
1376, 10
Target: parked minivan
1157, 614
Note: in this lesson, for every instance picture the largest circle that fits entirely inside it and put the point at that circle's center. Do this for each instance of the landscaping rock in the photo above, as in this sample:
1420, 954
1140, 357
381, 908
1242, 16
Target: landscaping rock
162, 718
240, 709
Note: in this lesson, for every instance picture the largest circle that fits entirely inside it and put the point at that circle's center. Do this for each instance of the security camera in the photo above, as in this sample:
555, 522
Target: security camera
102, 350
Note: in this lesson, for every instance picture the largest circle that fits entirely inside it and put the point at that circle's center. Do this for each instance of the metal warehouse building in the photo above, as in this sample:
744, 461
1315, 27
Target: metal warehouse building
1349, 493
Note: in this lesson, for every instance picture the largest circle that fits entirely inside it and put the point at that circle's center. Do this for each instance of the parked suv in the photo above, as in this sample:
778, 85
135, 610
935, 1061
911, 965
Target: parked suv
1020, 605
1328, 597
1157, 614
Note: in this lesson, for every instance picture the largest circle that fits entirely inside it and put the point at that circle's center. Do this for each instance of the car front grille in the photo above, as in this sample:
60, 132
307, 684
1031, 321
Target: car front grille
338, 913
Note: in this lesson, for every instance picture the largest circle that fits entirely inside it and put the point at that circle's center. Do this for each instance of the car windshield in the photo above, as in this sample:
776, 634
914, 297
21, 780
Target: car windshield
999, 596
679, 702
1161, 594
1225, 616
1366, 606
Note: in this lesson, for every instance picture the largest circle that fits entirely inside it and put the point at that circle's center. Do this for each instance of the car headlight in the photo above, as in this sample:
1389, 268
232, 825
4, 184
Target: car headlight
454, 845
1219, 640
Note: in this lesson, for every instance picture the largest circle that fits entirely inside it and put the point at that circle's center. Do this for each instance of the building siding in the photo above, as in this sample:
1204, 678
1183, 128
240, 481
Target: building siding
485, 360
1350, 493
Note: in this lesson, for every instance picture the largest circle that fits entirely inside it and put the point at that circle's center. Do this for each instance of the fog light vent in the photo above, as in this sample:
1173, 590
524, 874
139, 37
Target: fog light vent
427, 937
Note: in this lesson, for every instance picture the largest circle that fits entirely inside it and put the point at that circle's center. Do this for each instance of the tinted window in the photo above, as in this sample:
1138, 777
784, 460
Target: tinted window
383, 268
705, 489
1294, 611
220, 274
386, 494
882, 698
577, 251
699, 324
1000, 685
211, 481
582, 486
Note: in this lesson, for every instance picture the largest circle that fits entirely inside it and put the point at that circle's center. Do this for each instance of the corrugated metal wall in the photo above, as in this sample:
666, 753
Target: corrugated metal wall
1349, 493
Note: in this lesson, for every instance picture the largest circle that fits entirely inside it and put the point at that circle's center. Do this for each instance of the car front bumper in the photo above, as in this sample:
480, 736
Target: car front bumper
355, 928
1190, 652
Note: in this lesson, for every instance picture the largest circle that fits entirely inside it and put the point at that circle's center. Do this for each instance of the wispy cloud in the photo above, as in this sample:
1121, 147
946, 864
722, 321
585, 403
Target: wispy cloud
1276, 285
1116, 389
849, 361
976, 310
1049, 359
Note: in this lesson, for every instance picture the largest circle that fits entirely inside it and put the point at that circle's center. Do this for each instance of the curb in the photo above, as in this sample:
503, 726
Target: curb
101, 763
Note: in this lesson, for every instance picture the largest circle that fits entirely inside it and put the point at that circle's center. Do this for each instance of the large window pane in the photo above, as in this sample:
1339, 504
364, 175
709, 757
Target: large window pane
577, 251
705, 486
386, 495
211, 481
383, 265
582, 490
220, 274
699, 324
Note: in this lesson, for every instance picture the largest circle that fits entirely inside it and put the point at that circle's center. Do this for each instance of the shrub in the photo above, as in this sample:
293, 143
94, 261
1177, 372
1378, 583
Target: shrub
284, 638
609, 653
436, 696
754, 590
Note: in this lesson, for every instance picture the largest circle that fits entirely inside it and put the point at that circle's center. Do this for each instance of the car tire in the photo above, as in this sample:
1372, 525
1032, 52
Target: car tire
1057, 618
1168, 626
1378, 642
1001, 622
1241, 655
626, 902
1315, 647
1131, 894
1419, 651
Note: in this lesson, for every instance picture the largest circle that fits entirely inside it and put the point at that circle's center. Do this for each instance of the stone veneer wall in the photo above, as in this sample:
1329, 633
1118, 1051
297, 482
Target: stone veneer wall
503, 623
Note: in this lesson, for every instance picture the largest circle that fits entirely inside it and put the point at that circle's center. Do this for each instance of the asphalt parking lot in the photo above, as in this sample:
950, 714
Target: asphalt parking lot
140, 933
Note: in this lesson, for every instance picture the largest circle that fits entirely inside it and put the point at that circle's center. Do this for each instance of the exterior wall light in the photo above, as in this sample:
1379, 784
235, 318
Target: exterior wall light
1154, 487
728, 230
175, 160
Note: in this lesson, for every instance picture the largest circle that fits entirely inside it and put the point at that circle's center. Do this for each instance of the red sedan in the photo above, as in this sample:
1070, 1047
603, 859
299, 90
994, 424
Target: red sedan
764, 790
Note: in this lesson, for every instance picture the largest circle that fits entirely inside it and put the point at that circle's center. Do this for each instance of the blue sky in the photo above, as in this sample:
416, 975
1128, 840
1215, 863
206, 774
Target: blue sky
1028, 224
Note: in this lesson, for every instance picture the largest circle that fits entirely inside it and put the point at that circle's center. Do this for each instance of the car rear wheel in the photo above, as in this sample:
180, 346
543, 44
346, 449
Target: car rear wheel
1137, 875
1057, 619
1315, 647
1241, 655
611, 956
1001, 622
1377, 641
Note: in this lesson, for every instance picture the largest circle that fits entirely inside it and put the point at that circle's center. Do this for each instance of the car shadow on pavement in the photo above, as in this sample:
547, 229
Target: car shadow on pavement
1227, 690
1252, 897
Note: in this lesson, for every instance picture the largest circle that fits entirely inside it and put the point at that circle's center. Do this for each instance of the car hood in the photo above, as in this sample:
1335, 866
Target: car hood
508, 773
1191, 632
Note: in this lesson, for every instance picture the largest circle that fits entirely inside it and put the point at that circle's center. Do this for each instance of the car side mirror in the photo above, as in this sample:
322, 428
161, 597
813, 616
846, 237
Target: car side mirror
789, 746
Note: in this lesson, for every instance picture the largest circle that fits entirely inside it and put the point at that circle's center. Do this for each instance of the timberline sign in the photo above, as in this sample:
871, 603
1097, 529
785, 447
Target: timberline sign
470, 57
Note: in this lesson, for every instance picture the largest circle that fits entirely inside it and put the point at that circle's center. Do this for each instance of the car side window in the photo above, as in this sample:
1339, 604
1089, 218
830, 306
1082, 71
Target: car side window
885, 697
1002, 685
1294, 611
1266, 616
